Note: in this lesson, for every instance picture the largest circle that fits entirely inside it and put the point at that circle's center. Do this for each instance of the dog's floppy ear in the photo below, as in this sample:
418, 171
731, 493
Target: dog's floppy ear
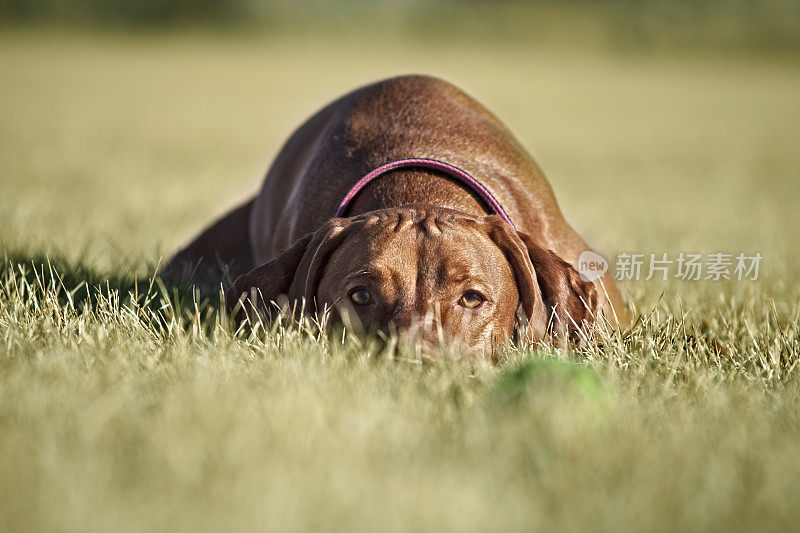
571, 301
294, 273
551, 290
516, 252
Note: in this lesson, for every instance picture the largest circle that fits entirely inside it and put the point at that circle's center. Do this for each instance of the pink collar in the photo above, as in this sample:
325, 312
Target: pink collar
454, 172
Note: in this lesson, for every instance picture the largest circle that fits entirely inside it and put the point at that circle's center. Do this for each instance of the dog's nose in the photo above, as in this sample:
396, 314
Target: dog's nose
408, 321
412, 347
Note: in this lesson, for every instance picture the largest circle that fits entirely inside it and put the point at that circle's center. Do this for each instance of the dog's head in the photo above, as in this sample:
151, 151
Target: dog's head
438, 274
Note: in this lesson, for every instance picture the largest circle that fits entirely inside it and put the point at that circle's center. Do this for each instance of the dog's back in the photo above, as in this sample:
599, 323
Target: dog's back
408, 116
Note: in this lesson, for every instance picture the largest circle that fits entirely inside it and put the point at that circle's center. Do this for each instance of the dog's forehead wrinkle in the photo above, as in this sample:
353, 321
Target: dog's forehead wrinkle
430, 225
454, 253
404, 220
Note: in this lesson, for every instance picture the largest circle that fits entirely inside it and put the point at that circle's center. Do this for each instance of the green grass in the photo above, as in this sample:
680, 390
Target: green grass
129, 405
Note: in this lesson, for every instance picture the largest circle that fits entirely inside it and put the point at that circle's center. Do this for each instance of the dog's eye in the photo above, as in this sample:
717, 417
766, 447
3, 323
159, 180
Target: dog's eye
471, 300
361, 297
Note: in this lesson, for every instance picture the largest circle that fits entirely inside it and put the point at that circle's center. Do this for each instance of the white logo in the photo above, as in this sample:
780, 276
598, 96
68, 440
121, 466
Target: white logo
591, 266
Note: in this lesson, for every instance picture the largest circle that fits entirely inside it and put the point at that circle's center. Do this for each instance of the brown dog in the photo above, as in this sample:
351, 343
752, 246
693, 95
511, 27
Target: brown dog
422, 247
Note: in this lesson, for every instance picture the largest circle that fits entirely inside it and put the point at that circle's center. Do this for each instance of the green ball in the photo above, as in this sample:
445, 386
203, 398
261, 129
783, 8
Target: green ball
539, 382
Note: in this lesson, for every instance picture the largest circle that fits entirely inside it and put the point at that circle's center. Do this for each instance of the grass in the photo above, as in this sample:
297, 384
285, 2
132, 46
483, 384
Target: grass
129, 405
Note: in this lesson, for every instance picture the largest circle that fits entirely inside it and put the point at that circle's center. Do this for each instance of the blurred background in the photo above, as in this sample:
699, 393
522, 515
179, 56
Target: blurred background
745, 24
